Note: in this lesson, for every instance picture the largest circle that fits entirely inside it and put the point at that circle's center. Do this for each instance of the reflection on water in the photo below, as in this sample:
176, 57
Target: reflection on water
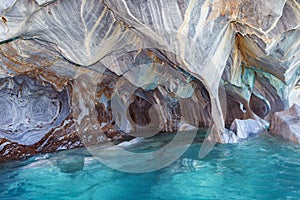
263, 168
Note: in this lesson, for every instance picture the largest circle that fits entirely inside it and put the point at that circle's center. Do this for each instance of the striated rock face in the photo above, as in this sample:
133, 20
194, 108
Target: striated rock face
29, 109
287, 124
76, 73
241, 130
246, 128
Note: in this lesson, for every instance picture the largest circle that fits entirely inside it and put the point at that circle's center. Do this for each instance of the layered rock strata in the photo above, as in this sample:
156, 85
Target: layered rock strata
98, 70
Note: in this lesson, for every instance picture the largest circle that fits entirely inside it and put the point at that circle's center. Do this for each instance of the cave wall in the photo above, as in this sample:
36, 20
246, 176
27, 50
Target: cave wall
118, 67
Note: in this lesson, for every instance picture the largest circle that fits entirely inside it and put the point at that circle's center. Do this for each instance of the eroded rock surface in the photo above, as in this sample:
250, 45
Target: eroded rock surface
29, 109
242, 130
122, 67
247, 128
287, 124
228, 136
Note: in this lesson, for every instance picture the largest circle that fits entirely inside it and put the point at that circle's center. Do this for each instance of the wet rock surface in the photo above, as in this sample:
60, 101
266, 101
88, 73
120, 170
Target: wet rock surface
242, 130
78, 73
247, 128
228, 136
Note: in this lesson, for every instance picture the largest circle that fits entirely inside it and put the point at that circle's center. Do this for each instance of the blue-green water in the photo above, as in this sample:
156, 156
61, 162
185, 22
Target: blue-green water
261, 168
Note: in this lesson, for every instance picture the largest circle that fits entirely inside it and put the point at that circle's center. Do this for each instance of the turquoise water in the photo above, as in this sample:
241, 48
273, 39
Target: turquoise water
261, 168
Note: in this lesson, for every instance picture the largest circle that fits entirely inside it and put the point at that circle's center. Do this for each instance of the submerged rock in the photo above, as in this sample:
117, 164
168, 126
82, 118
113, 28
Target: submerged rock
287, 124
70, 164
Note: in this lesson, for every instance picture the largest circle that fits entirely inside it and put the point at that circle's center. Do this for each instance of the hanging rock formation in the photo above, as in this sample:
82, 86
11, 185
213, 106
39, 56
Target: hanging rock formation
77, 73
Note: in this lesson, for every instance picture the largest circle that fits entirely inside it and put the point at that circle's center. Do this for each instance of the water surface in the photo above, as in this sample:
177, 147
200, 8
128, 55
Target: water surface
261, 168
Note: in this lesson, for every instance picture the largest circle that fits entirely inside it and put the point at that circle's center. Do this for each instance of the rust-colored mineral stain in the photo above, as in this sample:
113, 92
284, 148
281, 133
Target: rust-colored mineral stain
154, 58
4, 19
37, 66
223, 8
59, 132
244, 48
64, 136
106, 88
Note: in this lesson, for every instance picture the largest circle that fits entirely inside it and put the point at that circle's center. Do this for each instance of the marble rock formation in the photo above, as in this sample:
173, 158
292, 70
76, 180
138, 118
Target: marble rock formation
287, 124
241, 130
228, 136
246, 128
77, 73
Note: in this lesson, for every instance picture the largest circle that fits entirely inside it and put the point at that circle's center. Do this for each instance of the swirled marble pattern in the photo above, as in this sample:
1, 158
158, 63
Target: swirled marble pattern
29, 109
163, 50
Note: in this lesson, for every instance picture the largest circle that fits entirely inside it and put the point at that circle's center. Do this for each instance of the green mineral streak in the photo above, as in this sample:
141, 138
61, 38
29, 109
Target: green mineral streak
282, 89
